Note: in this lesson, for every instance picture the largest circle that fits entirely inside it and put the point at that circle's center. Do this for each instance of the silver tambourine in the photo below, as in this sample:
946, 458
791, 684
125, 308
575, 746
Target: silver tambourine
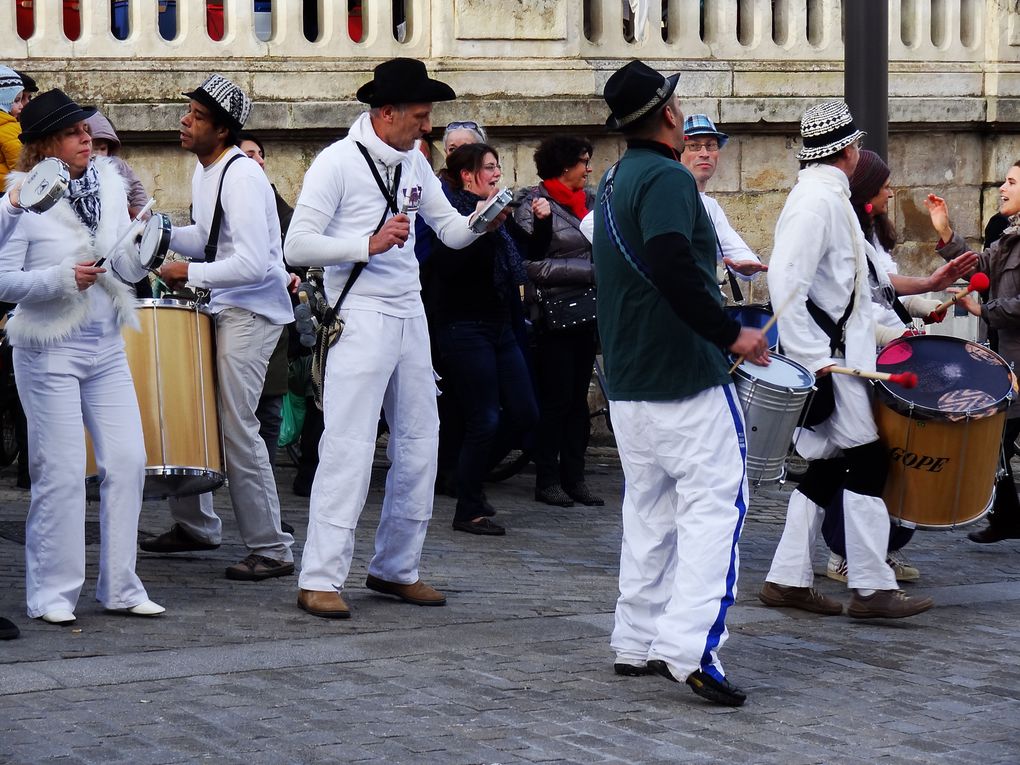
44, 185
491, 211
155, 241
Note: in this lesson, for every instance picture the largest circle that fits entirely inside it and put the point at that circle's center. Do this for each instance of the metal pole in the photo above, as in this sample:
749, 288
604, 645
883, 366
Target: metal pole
866, 69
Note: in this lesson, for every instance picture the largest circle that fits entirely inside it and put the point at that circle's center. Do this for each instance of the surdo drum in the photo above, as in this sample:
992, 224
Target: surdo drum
773, 399
944, 436
173, 364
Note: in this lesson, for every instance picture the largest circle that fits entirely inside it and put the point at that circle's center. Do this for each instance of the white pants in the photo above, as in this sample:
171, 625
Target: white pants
244, 343
63, 390
380, 362
865, 517
683, 509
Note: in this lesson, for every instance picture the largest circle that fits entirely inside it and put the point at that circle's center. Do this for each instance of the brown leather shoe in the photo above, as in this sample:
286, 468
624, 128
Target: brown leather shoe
419, 593
886, 604
328, 605
804, 598
175, 540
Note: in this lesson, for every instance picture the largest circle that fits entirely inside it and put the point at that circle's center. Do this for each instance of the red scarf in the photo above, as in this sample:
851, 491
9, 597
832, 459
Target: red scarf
575, 201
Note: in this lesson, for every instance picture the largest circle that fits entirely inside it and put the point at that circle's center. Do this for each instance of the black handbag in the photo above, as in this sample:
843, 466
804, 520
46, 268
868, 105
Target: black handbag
569, 309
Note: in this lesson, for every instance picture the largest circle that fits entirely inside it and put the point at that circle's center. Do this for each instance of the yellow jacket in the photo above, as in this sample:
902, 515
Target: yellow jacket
10, 146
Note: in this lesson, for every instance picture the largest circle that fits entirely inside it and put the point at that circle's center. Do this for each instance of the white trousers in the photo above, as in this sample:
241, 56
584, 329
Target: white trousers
244, 343
683, 510
64, 390
380, 362
866, 518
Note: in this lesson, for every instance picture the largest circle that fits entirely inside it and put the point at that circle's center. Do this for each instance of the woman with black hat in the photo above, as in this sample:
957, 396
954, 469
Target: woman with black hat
71, 369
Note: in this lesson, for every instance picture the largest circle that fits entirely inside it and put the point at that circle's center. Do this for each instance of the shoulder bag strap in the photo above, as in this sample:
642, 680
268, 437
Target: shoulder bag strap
217, 219
834, 330
391, 206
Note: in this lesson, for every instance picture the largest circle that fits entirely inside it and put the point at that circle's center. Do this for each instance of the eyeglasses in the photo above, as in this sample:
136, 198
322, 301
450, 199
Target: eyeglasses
463, 126
698, 146
586, 161
491, 168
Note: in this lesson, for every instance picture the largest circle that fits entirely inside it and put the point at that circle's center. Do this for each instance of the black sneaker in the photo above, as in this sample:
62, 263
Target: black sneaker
703, 684
990, 534
631, 670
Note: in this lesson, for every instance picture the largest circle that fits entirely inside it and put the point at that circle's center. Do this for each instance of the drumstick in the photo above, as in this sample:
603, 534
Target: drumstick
768, 325
978, 283
127, 234
906, 379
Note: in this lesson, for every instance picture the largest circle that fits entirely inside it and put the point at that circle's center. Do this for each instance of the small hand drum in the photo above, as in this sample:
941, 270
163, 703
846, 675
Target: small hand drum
155, 241
44, 185
491, 211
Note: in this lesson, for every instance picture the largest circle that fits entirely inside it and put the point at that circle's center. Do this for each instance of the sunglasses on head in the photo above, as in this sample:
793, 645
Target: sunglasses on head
462, 126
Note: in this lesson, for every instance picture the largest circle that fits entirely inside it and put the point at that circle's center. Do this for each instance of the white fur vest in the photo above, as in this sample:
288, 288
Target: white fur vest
37, 265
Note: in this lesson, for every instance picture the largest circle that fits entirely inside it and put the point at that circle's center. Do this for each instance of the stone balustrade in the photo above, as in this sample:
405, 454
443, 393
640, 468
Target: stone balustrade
525, 68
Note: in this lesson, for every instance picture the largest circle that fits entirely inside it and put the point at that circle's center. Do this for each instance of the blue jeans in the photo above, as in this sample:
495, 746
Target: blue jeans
496, 399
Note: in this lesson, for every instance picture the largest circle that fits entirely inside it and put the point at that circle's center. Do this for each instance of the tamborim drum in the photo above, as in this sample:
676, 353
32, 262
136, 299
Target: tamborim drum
155, 241
944, 436
45, 184
172, 362
773, 398
756, 317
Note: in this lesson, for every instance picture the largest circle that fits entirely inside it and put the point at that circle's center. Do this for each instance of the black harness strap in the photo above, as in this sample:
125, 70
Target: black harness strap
834, 330
217, 219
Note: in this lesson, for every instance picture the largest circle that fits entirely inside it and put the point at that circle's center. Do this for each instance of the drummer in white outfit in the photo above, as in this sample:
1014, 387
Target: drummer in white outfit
382, 359
248, 286
819, 260
71, 369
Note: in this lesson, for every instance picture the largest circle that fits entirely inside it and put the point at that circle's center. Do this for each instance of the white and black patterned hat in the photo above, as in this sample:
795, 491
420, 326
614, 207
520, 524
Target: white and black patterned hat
826, 129
219, 93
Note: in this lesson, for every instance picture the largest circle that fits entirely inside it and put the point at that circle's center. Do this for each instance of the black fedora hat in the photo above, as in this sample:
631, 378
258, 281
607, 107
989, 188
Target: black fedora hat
403, 81
49, 112
634, 91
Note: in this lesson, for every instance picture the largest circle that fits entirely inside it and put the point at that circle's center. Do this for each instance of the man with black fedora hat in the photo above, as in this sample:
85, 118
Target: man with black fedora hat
819, 272
353, 217
678, 423
235, 253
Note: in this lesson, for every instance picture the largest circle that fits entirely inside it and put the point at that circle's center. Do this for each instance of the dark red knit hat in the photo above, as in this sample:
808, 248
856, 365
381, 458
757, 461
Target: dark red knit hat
867, 180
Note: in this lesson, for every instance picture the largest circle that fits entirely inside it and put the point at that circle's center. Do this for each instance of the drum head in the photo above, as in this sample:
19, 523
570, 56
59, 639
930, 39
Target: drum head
155, 241
45, 185
755, 317
782, 373
955, 378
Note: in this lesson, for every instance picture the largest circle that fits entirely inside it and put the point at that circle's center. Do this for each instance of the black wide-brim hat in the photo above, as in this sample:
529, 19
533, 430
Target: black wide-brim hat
403, 81
49, 112
634, 91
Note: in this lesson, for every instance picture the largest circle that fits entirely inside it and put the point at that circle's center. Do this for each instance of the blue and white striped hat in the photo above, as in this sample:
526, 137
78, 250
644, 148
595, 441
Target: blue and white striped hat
700, 124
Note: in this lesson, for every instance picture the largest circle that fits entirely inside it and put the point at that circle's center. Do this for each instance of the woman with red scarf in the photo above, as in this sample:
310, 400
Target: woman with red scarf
560, 266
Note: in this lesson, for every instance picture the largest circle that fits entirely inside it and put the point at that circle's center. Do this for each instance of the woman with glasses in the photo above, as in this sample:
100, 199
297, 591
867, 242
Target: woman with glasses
477, 292
560, 266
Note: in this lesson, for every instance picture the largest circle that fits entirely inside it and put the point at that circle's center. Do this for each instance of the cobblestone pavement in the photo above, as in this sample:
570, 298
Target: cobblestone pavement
516, 669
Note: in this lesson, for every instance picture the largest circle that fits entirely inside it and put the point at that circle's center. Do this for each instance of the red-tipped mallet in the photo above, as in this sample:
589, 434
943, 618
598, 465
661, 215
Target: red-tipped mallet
904, 379
978, 283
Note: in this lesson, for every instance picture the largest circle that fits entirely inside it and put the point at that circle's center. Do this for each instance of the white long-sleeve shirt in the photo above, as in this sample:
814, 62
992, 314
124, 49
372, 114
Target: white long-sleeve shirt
731, 245
340, 206
248, 271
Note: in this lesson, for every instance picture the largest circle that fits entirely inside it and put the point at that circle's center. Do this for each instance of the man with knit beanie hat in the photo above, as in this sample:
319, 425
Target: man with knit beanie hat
11, 88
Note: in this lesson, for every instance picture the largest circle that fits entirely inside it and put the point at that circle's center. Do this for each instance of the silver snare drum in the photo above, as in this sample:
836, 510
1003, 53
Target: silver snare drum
155, 241
773, 399
45, 185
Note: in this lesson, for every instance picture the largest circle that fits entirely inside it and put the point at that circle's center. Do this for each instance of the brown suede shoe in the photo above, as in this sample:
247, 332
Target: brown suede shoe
887, 604
328, 605
419, 593
804, 598
175, 540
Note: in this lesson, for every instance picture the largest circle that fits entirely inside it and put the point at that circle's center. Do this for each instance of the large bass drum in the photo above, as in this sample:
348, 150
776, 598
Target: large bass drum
173, 362
944, 436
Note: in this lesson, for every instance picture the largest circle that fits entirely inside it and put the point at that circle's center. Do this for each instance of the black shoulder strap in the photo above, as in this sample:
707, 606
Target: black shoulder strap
391, 206
217, 219
834, 330
896, 305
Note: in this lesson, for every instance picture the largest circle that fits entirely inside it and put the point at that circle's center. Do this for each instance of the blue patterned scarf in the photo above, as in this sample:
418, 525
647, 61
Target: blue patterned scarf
508, 271
84, 193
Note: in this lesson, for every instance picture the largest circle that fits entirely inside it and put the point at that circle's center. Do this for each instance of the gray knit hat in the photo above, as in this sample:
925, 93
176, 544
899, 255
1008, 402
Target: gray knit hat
220, 94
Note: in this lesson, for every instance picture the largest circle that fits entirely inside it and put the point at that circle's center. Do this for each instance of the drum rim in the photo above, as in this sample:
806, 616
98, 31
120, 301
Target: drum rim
172, 302
165, 228
776, 386
890, 398
60, 183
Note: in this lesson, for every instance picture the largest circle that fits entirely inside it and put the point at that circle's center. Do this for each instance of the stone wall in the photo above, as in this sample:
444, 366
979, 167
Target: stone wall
527, 68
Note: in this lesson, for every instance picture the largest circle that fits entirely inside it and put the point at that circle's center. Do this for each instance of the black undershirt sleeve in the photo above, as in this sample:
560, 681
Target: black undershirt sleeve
671, 269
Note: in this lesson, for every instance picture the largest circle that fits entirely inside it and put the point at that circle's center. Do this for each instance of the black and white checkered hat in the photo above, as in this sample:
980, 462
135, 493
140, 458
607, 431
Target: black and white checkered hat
826, 129
219, 93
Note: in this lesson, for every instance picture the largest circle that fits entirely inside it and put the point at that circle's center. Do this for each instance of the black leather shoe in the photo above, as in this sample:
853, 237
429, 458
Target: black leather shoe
553, 495
580, 492
631, 670
8, 629
991, 533
175, 540
724, 692
482, 526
